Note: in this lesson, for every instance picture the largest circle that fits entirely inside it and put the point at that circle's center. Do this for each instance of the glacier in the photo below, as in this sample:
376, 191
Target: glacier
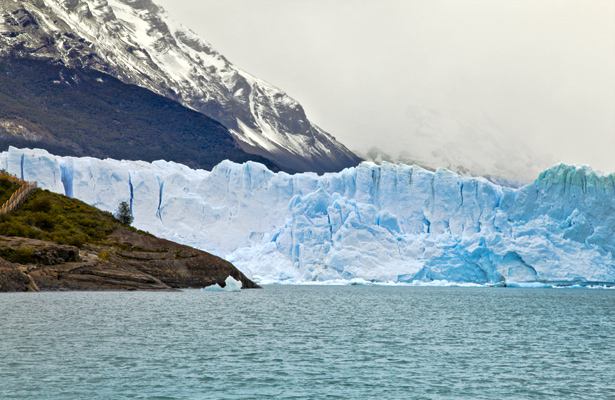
390, 223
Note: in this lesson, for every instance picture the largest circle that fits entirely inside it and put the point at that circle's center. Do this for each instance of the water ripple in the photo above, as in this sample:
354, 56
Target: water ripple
310, 342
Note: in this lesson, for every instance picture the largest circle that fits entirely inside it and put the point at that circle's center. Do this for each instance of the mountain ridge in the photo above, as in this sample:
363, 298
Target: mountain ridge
134, 41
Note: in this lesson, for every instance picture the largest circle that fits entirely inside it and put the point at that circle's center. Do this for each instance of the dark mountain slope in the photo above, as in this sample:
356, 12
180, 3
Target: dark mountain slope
82, 112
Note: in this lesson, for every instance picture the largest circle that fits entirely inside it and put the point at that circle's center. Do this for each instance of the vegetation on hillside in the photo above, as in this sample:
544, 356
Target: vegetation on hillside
7, 187
124, 213
49, 216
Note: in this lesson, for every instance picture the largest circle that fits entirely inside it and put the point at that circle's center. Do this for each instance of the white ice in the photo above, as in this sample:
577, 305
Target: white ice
231, 285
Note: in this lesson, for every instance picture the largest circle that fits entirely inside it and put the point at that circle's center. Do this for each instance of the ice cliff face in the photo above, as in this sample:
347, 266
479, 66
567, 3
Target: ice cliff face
387, 223
134, 41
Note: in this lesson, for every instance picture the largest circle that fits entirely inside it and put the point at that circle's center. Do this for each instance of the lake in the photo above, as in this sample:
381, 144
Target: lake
310, 342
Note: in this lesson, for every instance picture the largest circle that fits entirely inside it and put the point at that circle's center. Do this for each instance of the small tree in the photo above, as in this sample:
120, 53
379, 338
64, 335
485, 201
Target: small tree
124, 214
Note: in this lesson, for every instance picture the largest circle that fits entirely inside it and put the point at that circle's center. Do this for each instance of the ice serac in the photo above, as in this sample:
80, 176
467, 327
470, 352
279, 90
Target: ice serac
134, 41
388, 223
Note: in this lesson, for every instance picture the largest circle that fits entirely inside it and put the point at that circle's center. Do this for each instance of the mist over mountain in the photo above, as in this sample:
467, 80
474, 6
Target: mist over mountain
441, 141
534, 74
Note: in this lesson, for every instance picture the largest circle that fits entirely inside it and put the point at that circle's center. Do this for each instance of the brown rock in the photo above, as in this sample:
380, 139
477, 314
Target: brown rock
127, 260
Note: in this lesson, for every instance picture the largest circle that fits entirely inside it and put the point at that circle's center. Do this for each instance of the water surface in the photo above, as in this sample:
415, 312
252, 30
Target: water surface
310, 342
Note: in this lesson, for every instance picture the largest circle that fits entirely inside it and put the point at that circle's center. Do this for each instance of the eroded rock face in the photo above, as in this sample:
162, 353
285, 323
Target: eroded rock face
127, 261
13, 278
31, 251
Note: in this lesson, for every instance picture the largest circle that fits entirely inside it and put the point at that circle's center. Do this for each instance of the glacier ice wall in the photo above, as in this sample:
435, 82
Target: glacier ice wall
385, 222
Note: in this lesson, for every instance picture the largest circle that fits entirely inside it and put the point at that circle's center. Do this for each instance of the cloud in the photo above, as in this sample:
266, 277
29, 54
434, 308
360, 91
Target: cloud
497, 86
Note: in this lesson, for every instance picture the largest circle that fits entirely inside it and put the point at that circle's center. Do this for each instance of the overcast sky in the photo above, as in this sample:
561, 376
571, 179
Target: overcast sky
535, 76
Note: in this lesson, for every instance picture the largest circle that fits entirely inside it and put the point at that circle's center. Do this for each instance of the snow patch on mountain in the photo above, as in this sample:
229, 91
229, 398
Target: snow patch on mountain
384, 223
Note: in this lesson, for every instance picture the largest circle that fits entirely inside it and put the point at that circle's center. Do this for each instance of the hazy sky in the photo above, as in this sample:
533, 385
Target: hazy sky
536, 77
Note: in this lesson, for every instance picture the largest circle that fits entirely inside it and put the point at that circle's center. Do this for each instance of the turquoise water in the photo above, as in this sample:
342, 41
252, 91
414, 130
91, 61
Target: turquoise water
310, 342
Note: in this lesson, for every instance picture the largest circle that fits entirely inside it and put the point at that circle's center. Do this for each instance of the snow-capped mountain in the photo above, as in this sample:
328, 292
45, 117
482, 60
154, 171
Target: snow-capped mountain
390, 222
134, 41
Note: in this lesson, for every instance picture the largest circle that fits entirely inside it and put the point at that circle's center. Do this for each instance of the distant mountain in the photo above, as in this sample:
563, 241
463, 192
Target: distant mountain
82, 112
133, 41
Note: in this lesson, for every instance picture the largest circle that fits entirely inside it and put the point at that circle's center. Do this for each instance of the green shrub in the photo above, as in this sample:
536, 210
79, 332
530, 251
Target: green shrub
18, 228
20, 255
43, 221
104, 255
7, 187
40, 205
124, 213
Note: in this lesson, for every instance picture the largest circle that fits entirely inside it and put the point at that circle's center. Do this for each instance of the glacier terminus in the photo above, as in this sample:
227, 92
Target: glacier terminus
389, 223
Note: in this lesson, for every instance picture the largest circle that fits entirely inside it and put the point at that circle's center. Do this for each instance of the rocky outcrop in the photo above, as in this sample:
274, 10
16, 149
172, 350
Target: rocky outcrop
127, 260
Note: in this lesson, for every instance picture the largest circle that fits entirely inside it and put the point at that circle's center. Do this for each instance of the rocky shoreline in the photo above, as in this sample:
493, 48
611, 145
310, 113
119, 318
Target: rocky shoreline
126, 260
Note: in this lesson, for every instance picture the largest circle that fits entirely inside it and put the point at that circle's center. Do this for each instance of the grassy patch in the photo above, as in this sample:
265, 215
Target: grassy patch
104, 255
56, 218
20, 255
7, 188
